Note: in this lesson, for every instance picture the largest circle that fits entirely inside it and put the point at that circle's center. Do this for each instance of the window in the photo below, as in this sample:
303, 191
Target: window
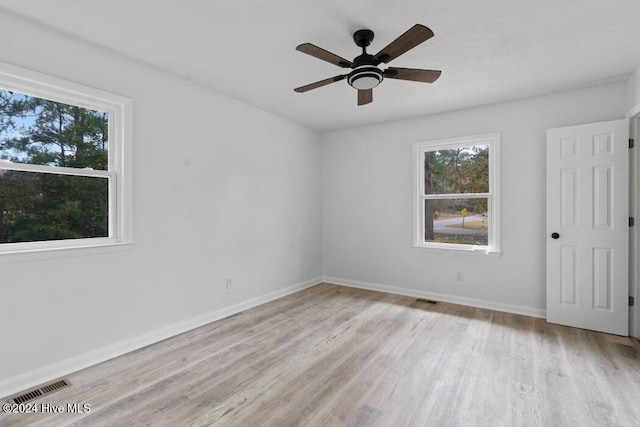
456, 198
64, 164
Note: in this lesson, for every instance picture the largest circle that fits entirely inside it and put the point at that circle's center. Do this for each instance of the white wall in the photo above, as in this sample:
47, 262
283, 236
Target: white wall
367, 177
221, 190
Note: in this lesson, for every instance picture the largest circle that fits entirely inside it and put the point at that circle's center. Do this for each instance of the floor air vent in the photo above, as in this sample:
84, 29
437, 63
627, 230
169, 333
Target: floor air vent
39, 392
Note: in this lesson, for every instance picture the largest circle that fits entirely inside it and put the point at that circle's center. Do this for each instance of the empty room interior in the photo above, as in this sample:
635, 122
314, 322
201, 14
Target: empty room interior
292, 213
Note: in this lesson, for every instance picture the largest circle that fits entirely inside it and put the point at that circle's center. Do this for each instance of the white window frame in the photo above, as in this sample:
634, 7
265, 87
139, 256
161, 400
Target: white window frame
120, 113
493, 196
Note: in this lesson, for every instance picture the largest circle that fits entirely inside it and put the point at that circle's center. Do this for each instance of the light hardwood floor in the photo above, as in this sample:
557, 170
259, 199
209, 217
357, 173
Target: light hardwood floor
336, 356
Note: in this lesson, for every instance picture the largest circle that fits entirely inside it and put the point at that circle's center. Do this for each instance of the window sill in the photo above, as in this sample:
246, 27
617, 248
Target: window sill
462, 249
34, 253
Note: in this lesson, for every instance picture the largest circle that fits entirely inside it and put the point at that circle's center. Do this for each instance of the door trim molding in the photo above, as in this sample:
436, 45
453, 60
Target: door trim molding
634, 235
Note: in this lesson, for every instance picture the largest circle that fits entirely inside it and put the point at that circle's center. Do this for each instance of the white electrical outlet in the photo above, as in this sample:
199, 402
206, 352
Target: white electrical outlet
460, 276
229, 283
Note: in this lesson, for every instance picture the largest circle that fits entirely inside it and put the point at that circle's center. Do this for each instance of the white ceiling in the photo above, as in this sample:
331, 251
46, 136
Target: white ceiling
488, 50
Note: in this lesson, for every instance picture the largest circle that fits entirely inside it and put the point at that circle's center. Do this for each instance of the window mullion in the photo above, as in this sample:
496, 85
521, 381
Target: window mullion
457, 196
58, 170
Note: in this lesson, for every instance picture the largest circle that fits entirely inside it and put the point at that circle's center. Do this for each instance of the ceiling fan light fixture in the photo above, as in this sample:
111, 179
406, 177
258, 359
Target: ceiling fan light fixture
365, 77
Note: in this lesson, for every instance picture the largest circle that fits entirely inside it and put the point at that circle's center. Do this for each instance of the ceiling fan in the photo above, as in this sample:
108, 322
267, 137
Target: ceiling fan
366, 72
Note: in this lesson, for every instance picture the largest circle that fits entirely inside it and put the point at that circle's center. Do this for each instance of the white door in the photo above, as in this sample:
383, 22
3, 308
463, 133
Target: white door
588, 226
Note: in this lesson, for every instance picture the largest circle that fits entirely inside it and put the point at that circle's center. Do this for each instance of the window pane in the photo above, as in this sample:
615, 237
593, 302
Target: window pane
42, 132
457, 170
40, 206
459, 221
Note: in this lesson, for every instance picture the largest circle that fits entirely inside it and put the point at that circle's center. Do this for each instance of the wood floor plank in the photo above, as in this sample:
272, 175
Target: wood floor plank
337, 356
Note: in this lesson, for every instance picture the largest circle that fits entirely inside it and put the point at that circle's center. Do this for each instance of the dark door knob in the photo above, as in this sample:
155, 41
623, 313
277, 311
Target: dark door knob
554, 235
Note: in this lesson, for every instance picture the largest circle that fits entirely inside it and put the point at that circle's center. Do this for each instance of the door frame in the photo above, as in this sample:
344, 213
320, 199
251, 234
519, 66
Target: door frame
634, 232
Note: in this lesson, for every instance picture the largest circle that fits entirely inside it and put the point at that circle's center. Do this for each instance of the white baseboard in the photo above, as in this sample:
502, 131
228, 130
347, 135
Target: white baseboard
454, 299
54, 371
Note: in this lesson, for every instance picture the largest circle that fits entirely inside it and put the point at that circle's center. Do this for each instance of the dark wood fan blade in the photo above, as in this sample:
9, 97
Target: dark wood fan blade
415, 75
325, 55
412, 38
320, 83
365, 96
